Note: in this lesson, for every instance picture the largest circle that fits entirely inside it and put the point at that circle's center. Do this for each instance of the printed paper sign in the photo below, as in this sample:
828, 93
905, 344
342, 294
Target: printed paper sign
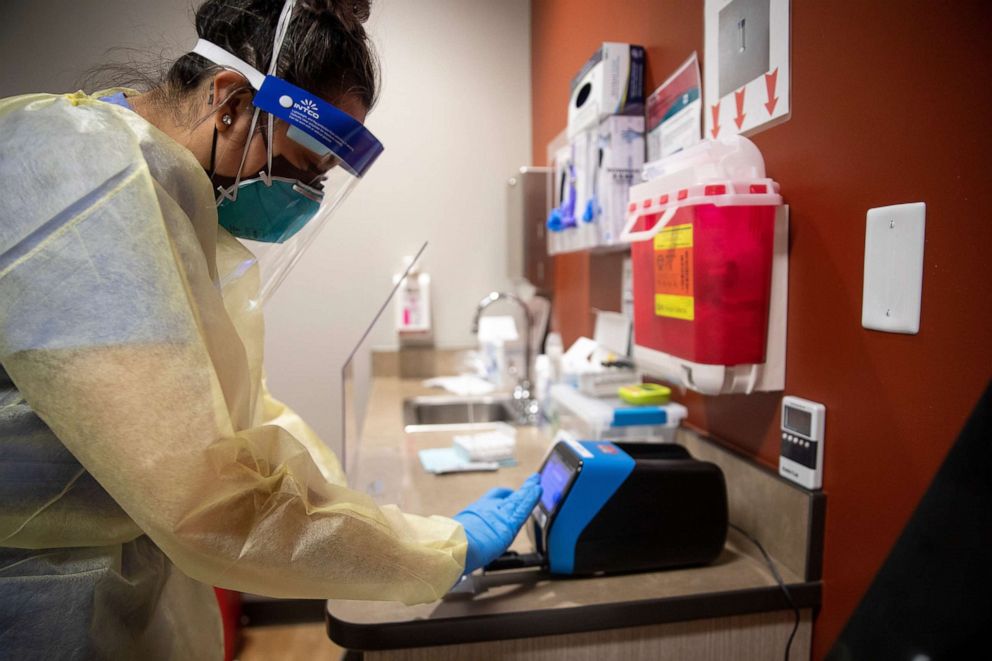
674, 112
746, 81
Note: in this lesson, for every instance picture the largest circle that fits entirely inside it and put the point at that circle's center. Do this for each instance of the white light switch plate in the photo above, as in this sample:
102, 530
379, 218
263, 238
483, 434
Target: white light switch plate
893, 283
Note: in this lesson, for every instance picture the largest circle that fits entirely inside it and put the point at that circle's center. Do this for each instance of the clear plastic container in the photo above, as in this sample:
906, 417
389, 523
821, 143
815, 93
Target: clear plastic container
595, 419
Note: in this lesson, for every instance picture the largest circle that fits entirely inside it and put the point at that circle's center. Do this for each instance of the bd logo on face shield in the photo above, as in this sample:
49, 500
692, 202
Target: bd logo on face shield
308, 107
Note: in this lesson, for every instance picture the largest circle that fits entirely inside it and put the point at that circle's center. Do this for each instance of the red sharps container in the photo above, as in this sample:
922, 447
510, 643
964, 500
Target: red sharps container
702, 255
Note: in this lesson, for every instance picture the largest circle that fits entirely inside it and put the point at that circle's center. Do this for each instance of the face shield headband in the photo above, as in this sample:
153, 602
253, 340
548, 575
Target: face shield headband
313, 123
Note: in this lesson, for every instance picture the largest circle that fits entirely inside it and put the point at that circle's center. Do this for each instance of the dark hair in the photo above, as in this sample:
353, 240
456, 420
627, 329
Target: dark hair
326, 49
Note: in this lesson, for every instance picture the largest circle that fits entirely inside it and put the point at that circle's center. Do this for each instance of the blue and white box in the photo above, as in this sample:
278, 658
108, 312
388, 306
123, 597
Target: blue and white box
610, 83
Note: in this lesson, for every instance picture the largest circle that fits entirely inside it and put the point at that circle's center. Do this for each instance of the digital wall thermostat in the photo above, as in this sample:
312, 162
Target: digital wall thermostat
801, 457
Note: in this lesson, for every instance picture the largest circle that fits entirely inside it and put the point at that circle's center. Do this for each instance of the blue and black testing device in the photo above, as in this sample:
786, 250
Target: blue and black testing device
623, 507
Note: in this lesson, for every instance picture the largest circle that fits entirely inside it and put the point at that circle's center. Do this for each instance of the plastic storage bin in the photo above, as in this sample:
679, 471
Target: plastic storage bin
595, 419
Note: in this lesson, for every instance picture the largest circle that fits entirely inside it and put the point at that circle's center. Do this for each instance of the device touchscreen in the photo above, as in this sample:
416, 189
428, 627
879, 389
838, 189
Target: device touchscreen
554, 480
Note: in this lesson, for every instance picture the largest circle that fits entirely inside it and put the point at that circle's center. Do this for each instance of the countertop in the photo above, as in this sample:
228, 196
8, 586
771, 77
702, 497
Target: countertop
525, 603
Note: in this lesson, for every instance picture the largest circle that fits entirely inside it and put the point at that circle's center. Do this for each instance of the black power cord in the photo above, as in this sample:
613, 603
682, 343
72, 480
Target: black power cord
781, 584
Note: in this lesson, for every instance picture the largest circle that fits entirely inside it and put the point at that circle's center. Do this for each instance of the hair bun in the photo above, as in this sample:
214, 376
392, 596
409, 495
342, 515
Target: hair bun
350, 13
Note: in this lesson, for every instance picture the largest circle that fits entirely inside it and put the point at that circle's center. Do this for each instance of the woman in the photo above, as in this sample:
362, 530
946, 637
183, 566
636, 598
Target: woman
135, 427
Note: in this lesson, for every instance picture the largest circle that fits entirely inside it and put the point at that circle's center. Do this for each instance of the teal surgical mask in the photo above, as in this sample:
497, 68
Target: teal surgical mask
266, 208
268, 211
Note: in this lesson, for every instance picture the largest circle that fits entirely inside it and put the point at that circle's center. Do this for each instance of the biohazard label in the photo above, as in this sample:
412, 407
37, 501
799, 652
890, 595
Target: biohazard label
673, 273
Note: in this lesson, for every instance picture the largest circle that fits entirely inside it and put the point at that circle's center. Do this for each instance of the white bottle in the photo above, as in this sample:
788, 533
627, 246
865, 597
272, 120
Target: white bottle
554, 349
494, 361
542, 380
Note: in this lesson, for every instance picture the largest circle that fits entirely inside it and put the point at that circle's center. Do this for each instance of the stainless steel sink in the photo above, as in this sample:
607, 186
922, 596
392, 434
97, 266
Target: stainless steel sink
450, 410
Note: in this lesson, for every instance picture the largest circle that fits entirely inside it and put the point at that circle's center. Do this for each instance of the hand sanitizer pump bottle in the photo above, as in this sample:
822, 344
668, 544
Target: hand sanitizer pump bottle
413, 308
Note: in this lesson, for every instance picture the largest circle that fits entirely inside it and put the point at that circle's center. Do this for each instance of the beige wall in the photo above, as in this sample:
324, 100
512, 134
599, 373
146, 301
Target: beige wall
47, 46
454, 116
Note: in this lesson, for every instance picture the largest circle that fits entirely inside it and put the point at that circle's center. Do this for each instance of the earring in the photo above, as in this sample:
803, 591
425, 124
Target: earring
226, 120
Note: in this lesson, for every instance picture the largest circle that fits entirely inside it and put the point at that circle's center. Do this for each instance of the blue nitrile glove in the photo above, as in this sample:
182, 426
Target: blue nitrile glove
494, 520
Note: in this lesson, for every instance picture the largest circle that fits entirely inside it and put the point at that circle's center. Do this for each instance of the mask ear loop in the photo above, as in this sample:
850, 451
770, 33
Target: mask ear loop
221, 193
213, 155
270, 140
232, 194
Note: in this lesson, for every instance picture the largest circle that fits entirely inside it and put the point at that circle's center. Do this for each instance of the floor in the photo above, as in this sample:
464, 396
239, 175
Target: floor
296, 641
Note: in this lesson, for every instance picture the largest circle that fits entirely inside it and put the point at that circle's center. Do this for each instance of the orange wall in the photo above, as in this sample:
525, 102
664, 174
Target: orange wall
889, 105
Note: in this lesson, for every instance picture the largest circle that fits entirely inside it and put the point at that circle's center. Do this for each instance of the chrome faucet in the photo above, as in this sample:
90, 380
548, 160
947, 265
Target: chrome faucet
523, 398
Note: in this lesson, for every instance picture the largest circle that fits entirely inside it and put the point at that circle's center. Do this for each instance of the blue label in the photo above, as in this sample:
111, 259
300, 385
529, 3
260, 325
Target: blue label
344, 135
640, 415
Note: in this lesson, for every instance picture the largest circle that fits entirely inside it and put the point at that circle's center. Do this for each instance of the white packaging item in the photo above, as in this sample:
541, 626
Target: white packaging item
495, 331
607, 382
497, 445
498, 328
611, 82
620, 140
608, 159
463, 385
493, 355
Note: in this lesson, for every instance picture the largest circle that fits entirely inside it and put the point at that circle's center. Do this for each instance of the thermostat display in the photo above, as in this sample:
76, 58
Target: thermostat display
801, 456
800, 422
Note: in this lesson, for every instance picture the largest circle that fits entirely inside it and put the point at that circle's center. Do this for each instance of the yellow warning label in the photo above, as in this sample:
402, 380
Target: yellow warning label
673, 273
676, 236
676, 307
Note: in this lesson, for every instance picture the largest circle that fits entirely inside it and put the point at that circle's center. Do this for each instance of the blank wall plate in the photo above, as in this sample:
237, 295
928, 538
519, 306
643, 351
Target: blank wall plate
893, 285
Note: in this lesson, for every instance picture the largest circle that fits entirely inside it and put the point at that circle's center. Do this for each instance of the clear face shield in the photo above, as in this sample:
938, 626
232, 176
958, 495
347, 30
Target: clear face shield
283, 224
278, 212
